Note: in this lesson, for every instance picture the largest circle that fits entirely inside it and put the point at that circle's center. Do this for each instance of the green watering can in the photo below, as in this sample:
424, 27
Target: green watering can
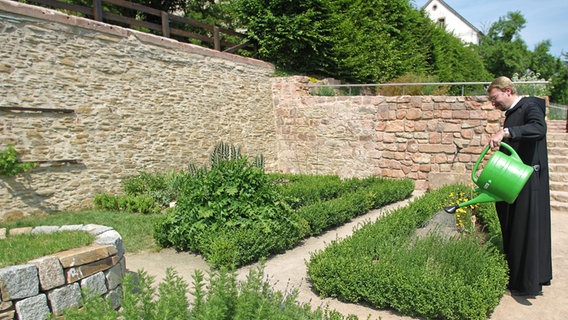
502, 178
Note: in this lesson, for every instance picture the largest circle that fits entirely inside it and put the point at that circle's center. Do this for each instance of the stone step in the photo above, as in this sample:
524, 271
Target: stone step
559, 177
558, 187
558, 163
560, 151
560, 196
559, 206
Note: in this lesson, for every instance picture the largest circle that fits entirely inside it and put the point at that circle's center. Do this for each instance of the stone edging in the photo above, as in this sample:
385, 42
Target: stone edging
52, 283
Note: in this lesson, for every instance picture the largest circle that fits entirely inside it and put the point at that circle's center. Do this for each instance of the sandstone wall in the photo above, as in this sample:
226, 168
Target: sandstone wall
138, 102
144, 103
432, 140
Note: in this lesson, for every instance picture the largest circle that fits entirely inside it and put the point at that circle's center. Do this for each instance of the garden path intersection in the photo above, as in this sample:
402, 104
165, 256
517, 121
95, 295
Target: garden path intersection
288, 270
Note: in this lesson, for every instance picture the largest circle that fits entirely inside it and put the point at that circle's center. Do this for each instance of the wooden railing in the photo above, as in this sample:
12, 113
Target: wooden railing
166, 26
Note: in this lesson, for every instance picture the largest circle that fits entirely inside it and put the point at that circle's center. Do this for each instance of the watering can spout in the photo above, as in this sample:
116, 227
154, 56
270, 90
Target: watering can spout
483, 197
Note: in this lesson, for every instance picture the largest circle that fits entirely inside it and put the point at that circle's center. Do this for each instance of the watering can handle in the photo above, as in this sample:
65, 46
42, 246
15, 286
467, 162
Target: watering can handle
514, 155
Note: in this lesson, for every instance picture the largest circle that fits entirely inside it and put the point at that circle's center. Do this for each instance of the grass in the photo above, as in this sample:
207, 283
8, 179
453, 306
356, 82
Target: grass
136, 230
19, 249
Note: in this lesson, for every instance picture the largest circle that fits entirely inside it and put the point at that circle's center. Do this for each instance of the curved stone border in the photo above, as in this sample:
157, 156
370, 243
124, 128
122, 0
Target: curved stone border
52, 283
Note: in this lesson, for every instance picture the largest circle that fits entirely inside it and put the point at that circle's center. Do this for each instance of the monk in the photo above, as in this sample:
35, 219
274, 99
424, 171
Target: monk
525, 224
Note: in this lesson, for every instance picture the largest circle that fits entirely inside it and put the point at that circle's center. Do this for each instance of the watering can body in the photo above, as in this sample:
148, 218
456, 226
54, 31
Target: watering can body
502, 179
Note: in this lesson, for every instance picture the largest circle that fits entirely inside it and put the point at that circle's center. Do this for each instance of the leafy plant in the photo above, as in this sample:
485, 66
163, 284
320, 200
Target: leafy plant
10, 164
232, 197
136, 204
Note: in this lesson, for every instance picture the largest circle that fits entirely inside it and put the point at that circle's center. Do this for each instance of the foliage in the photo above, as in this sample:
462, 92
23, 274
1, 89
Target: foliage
370, 193
10, 164
303, 189
377, 40
222, 297
135, 204
18, 249
502, 49
505, 53
538, 90
294, 35
164, 188
233, 197
384, 265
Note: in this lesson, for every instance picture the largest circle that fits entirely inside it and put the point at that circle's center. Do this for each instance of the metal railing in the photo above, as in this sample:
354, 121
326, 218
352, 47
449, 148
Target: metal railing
408, 84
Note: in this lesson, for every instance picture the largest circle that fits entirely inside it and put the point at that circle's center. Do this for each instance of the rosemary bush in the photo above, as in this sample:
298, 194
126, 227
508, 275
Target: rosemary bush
220, 296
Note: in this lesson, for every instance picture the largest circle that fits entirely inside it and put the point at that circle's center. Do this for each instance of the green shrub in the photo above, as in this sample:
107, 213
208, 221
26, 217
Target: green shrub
162, 187
384, 265
218, 297
365, 194
10, 164
137, 204
232, 195
303, 189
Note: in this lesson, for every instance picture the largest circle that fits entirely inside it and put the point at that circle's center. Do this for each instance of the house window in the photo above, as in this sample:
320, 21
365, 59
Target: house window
441, 22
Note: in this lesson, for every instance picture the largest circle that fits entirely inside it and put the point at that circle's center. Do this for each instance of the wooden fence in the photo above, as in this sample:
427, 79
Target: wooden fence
146, 18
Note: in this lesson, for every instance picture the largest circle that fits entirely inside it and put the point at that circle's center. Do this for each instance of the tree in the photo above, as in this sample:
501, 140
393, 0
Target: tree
292, 34
502, 49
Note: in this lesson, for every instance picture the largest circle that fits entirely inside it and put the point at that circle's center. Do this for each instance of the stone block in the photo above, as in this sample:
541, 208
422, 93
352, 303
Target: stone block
6, 307
23, 230
115, 297
19, 282
95, 284
114, 238
96, 229
71, 227
7, 315
80, 272
50, 272
45, 229
2, 233
84, 255
64, 297
33, 308
115, 274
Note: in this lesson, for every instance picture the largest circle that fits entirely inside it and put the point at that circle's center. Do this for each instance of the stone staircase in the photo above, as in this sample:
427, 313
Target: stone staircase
557, 139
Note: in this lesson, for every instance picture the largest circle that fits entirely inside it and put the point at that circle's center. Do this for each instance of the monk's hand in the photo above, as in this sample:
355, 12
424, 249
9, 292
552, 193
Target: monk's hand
495, 140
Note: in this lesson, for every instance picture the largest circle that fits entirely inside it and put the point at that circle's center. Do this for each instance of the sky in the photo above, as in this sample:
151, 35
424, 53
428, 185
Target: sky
545, 19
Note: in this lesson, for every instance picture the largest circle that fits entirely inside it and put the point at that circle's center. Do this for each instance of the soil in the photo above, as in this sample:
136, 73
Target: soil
288, 270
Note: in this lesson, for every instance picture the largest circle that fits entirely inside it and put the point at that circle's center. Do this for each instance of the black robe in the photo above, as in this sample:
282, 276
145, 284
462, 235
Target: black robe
525, 224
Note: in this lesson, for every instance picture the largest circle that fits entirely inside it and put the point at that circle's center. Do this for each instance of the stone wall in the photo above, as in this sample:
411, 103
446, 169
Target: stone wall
138, 103
52, 283
434, 140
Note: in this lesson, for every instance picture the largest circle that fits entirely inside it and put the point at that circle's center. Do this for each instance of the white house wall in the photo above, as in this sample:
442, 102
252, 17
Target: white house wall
454, 24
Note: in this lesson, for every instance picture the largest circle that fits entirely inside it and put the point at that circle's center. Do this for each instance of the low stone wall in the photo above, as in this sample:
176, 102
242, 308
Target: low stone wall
52, 283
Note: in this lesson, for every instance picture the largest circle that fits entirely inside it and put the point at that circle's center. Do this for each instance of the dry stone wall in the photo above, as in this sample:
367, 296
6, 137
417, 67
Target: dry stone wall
53, 283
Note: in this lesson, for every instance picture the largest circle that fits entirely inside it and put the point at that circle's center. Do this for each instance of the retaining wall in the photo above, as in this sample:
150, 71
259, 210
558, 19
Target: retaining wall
52, 283
433, 140
139, 102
